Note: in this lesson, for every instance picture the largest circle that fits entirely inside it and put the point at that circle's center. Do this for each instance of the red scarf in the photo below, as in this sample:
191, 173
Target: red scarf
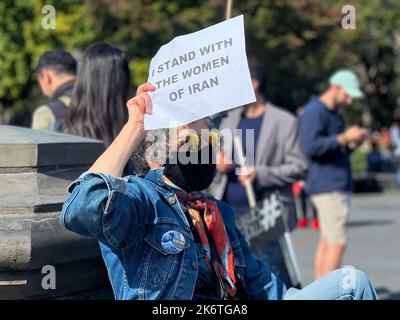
196, 205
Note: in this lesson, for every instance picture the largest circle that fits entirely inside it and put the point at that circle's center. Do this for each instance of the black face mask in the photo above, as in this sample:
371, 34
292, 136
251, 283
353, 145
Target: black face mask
192, 176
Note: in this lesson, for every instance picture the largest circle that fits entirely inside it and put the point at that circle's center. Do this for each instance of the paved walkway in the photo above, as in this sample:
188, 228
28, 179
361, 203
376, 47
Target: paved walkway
374, 242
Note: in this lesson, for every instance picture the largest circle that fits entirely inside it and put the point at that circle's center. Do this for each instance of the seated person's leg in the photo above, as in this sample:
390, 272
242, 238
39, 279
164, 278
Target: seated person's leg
342, 284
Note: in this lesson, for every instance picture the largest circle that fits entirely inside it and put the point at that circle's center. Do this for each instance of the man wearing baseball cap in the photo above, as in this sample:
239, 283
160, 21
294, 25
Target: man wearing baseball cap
328, 146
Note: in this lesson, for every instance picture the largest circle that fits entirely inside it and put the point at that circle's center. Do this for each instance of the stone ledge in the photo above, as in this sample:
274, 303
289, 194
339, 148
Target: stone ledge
22, 147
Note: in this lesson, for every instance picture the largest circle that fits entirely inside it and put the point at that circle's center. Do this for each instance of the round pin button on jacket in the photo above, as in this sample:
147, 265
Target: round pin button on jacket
171, 200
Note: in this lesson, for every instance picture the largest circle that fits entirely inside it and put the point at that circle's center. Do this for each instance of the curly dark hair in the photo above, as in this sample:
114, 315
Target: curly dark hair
154, 148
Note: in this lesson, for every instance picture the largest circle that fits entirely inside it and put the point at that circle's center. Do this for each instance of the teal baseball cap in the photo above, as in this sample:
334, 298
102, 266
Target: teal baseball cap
348, 81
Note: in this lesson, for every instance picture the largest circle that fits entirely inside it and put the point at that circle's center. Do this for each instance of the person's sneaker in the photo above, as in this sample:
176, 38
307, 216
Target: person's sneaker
315, 224
303, 223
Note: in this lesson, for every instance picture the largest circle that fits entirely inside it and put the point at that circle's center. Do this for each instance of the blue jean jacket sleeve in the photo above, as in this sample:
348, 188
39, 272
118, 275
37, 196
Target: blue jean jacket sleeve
100, 206
261, 283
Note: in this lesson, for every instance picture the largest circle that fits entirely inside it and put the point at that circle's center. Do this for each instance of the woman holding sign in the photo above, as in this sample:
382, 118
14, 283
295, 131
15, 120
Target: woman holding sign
161, 238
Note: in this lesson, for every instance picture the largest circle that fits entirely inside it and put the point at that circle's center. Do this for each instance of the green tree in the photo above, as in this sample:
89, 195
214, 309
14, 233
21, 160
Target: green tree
301, 42
141, 27
23, 40
373, 50
295, 41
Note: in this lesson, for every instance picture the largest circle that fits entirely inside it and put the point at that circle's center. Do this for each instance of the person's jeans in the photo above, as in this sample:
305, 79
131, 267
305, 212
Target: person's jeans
343, 284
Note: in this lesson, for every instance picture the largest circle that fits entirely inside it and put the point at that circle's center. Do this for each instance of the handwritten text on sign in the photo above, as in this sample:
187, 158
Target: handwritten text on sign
200, 74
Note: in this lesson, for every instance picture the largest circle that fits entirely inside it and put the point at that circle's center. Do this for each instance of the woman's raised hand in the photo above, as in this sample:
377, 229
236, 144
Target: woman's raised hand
140, 104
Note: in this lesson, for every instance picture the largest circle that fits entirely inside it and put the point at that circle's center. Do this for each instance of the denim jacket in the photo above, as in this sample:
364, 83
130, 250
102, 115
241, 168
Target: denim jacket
129, 217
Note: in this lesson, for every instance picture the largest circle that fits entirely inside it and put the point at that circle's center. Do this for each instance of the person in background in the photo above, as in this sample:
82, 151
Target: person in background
385, 140
374, 158
2, 115
278, 158
395, 137
394, 131
386, 150
97, 107
397, 163
329, 180
55, 72
304, 207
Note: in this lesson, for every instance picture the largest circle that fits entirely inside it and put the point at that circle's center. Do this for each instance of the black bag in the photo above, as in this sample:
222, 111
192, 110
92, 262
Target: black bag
265, 228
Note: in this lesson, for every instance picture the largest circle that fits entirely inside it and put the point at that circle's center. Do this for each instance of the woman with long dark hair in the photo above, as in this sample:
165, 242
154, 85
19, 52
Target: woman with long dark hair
98, 105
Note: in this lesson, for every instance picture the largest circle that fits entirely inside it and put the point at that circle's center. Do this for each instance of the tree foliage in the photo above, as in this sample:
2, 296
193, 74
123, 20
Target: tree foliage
301, 43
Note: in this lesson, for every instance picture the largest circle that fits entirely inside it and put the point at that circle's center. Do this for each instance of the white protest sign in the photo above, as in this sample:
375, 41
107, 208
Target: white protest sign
200, 74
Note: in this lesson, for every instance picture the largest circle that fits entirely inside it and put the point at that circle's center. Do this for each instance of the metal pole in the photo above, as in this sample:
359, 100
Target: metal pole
228, 13
251, 196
